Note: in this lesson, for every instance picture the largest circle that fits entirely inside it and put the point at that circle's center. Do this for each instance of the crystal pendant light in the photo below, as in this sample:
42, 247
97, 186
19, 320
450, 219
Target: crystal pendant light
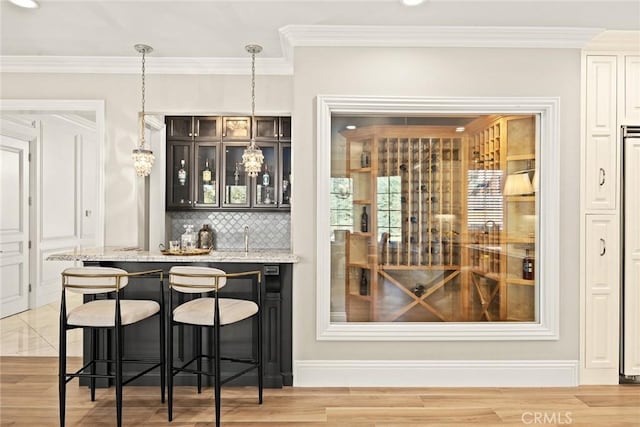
252, 157
142, 156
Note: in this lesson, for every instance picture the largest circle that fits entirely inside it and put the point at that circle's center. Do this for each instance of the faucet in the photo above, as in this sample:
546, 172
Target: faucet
246, 238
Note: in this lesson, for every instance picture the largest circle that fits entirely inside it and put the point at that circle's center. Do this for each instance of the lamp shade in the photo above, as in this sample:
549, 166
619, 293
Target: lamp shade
517, 185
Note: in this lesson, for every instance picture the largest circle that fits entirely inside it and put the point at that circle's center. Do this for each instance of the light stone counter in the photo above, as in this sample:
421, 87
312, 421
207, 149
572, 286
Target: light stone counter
129, 254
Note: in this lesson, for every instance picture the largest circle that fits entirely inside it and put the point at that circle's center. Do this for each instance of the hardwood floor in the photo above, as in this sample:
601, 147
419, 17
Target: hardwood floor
29, 396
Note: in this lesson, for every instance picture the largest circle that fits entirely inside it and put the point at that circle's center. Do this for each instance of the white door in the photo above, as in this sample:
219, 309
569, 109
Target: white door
631, 321
14, 224
66, 167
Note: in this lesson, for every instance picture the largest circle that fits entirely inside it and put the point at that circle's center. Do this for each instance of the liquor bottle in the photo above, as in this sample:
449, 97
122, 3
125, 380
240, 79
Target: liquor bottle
205, 237
528, 267
266, 176
364, 220
364, 283
182, 174
364, 159
206, 173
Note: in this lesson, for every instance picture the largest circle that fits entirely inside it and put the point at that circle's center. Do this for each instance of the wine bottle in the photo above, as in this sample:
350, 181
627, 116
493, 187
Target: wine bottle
182, 174
364, 220
266, 176
206, 173
364, 283
528, 267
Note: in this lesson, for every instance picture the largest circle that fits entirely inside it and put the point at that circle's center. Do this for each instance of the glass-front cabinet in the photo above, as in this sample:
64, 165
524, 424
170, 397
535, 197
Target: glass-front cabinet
235, 180
285, 174
179, 182
265, 185
204, 163
203, 128
206, 155
435, 221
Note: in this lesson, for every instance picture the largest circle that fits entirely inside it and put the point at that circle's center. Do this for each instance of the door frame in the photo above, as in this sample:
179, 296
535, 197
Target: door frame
44, 107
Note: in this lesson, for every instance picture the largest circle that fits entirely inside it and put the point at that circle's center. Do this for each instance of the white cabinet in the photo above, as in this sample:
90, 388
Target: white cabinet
631, 91
602, 292
601, 133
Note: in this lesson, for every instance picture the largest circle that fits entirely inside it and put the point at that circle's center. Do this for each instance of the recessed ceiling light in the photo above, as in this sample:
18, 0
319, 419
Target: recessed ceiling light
412, 2
460, 129
350, 127
29, 4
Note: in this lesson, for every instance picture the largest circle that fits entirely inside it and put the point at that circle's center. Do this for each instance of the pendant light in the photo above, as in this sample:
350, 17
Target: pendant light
252, 157
142, 156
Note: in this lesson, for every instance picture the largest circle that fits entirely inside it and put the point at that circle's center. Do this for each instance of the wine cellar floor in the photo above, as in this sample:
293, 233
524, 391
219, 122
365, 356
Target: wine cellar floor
446, 300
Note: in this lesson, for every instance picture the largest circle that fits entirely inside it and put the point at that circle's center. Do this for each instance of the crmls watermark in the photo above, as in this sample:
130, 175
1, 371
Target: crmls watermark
543, 417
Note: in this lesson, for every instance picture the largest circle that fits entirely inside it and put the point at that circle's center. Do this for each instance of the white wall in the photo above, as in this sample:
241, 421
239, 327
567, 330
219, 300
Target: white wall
357, 71
433, 72
175, 94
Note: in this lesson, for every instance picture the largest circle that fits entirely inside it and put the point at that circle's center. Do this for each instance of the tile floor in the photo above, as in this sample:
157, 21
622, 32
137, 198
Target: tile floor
35, 332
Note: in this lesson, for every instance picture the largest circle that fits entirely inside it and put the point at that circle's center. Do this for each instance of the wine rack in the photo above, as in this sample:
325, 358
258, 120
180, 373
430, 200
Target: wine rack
410, 181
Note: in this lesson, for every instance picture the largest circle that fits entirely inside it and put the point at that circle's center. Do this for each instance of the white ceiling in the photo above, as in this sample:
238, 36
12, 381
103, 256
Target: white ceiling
221, 29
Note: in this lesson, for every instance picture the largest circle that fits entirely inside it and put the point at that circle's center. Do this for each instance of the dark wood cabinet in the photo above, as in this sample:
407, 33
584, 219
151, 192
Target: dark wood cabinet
276, 322
192, 171
271, 128
236, 128
196, 128
204, 163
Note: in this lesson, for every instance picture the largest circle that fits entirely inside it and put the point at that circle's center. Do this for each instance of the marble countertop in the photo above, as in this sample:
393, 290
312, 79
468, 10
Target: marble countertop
132, 254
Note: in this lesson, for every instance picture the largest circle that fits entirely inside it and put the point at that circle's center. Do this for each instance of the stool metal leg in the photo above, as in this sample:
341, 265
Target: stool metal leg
216, 345
197, 352
162, 355
170, 365
118, 333
259, 340
62, 362
94, 357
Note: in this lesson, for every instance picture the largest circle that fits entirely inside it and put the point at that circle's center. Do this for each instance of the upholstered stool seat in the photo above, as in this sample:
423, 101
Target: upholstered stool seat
213, 311
102, 313
111, 313
200, 311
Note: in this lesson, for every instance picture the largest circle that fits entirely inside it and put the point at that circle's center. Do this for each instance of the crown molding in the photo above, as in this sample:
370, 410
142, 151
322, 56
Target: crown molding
292, 36
424, 36
131, 65
615, 41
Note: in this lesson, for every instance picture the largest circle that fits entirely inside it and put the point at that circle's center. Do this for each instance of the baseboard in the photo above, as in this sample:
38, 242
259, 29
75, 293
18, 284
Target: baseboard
435, 373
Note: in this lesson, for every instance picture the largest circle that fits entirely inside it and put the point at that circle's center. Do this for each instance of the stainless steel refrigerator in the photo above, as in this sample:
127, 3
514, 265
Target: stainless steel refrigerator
630, 301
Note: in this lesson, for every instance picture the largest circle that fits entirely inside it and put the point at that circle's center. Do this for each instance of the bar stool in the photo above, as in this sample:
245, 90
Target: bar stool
212, 312
109, 314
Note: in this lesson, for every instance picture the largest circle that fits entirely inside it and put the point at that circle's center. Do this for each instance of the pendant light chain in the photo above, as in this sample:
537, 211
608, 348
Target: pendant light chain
252, 157
253, 98
143, 157
142, 127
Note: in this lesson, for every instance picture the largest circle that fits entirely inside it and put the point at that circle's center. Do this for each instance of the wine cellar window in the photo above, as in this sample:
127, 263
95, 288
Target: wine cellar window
438, 214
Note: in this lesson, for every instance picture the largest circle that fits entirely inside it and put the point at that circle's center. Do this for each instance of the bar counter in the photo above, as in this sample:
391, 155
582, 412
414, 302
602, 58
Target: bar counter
141, 340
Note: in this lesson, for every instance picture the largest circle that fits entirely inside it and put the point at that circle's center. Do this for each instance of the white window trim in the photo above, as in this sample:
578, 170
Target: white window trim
547, 227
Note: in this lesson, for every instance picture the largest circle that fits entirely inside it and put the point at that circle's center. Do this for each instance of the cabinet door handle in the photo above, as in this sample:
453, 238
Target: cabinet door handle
190, 134
602, 177
195, 134
603, 247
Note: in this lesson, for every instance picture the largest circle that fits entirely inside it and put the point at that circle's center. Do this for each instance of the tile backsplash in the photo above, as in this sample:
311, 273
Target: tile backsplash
267, 230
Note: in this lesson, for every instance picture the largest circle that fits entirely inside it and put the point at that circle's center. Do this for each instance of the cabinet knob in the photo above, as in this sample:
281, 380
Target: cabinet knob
603, 247
190, 134
602, 177
195, 134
